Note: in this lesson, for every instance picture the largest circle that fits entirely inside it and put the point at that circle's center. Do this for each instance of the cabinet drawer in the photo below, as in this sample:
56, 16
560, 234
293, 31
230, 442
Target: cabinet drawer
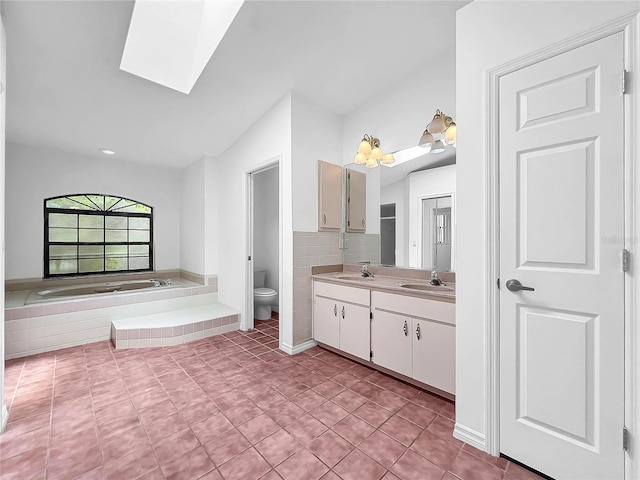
343, 293
415, 307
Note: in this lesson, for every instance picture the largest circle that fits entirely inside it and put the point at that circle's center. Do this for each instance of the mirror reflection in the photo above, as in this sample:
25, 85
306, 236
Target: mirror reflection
410, 213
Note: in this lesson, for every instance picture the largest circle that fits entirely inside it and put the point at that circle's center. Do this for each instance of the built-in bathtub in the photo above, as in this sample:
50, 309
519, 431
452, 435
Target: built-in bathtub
50, 315
96, 289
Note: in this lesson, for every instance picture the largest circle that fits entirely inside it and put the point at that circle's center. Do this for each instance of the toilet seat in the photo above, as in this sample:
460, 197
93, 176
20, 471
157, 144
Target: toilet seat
264, 292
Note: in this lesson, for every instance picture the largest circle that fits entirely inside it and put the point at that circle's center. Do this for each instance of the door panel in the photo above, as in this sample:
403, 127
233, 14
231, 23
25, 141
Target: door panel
354, 330
391, 341
561, 204
434, 354
326, 327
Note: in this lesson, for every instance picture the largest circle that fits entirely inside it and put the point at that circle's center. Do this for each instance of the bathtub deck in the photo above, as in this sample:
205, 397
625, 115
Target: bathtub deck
174, 327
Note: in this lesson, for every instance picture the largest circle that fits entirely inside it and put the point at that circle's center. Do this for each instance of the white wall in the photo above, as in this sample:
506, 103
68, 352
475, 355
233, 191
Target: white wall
434, 182
270, 139
489, 34
192, 214
265, 225
3, 77
212, 226
33, 174
316, 134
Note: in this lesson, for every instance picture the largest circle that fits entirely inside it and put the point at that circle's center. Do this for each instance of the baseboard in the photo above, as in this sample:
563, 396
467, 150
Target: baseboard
5, 418
298, 348
470, 436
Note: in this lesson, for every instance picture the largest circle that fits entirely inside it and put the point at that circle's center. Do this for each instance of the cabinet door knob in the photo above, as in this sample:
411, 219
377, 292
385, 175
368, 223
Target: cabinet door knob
335, 310
418, 332
343, 311
405, 329
324, 218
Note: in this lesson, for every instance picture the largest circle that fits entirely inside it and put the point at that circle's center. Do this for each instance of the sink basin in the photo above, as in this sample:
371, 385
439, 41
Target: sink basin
426, 287
353, 277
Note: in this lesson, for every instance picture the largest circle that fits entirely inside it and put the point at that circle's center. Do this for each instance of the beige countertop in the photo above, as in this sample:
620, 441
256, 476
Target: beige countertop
446, 293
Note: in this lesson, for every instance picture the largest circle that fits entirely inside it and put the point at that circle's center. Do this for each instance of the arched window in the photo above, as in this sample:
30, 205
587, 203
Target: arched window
88, 234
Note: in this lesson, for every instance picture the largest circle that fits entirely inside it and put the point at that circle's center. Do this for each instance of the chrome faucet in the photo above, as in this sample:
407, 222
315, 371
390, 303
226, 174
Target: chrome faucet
434, 278
365, 271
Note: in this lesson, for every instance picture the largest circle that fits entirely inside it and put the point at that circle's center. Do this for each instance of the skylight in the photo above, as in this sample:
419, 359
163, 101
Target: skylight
170, 41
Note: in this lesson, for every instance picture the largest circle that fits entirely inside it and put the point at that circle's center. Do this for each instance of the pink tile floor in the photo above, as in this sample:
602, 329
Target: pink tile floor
229, 407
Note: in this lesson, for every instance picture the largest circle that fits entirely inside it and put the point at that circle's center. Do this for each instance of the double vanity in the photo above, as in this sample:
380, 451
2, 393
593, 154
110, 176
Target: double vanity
400, 325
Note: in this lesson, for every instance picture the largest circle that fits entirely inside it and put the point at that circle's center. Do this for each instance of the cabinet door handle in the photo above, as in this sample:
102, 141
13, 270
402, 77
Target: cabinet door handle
343, 311
335, 310
418, 332
324, 218
405, 329
364, 223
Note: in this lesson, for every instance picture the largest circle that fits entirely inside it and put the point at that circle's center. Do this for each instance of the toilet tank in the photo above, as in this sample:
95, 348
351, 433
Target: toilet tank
259, 278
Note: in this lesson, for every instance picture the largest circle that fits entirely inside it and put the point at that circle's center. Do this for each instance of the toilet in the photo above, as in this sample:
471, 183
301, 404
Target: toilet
263, 298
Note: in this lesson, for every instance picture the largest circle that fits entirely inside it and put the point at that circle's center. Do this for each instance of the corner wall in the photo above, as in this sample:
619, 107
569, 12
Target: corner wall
192, 218
33, 174
3, 63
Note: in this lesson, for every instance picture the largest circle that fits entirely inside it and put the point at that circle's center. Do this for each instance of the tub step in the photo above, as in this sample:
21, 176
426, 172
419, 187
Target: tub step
174, 327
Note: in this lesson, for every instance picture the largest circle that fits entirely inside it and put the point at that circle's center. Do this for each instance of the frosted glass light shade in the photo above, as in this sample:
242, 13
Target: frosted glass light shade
364, 148
437, 124
376, 153
450, 135
371, 163
437, 147
360, 159
426, 140
388, 159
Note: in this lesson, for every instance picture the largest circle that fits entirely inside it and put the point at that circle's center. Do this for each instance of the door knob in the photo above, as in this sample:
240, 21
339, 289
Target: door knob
514, 285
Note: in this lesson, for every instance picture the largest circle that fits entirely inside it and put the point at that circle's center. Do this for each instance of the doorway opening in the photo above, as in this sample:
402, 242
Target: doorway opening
264, 266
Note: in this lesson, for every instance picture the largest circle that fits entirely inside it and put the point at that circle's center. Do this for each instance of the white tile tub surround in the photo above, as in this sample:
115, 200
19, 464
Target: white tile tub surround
310, 249
174, 327
51, 326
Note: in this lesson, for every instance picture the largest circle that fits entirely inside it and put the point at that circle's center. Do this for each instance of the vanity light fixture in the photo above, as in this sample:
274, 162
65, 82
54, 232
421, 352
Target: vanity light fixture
441, 131
107, 151
369, 153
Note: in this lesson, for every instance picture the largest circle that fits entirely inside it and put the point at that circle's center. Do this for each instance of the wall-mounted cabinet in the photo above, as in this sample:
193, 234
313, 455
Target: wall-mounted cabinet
356, 201
329, 196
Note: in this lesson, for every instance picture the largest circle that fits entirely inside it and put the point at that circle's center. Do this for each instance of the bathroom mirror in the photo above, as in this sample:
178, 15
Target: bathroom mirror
410, 213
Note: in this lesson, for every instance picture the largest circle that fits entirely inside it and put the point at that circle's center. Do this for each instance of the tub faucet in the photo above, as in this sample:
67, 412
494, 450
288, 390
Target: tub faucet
156, 283
365, 271
434, 278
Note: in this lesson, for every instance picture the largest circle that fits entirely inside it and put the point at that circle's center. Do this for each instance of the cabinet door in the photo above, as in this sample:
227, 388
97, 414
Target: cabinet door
391, 341
326, 327
356, 201
434, 354
329, 196
354, 330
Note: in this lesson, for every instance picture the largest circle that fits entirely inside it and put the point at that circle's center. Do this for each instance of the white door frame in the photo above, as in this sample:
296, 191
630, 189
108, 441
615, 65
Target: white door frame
247, 322
630, 25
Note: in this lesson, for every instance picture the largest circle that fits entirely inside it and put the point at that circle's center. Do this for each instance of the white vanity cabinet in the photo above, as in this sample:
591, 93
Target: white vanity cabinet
341, 318
414, 337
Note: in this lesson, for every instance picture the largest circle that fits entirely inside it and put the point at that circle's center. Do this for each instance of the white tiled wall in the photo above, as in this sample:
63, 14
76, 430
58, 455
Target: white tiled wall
309, 249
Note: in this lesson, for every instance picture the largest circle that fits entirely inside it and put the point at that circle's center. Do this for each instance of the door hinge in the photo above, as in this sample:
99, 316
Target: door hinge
498, 283
625, 439
249, 257
626, 256
371, 354
348, 224
624, 81
370, 315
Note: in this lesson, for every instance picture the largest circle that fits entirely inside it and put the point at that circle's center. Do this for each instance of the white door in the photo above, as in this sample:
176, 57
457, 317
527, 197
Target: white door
434, 354
326, 325
354, 330
561, 231
391, 341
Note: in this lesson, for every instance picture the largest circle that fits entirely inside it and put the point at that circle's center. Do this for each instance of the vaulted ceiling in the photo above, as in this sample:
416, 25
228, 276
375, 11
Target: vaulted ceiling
65, 90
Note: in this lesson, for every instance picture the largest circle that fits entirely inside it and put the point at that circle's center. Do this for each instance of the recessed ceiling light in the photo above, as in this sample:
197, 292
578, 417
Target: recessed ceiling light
106, 151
